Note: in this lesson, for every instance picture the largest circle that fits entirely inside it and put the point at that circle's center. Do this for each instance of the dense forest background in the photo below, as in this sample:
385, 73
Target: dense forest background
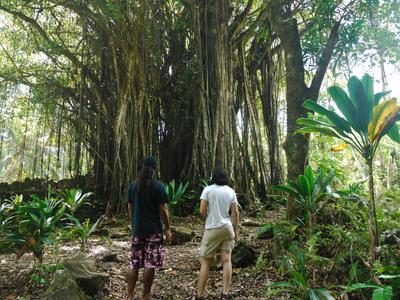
275, 91
91, 87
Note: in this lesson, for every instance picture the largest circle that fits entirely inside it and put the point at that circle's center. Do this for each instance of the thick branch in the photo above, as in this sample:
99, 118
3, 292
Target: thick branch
325, 59
59, 49
237, 23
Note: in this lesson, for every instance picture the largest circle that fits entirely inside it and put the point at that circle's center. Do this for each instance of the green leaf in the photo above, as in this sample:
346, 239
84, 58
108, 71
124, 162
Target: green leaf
394, 133
312, 294
304, 184
325, 293
325, 131
309, 173
286, 189
357, 286
368, 83
345, 105
379, 96
298, 278
359, 99
388, 276
382, 293
338, 121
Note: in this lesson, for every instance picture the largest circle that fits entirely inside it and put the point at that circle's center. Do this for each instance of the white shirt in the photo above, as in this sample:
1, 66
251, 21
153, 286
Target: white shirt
220, 199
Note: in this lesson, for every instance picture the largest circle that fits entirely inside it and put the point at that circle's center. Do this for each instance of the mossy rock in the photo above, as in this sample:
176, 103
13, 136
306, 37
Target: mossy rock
181, 235
83, 270
64, 287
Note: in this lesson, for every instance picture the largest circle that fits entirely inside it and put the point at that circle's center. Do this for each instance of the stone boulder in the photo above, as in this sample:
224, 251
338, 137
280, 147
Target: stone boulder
83, 270
64, 287
181, 235
265, 232
243, 255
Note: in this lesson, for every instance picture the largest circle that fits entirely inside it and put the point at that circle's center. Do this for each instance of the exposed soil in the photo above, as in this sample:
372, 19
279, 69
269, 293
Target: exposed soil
177, 280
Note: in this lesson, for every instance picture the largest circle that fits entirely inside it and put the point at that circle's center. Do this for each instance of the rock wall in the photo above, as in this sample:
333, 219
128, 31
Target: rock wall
40, 187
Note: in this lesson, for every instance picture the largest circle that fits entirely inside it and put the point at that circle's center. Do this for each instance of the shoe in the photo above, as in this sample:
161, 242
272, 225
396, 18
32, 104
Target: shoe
199, 298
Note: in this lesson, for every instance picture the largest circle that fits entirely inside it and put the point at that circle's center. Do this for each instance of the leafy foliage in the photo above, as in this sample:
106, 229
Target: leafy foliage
176, 194
81, 230
30, 225
74, 198
298, 283
309, 189
365, 120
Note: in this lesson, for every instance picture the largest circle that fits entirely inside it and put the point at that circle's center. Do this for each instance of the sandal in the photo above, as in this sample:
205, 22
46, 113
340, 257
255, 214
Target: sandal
224, 296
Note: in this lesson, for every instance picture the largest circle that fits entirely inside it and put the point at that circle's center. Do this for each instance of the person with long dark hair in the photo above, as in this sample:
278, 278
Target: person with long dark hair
218, 205
147, 206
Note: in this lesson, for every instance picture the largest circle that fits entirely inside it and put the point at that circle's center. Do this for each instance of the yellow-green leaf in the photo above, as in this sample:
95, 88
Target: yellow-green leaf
338, 148
383, 116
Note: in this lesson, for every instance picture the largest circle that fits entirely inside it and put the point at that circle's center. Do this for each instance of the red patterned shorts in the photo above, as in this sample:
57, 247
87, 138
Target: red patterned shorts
147, 252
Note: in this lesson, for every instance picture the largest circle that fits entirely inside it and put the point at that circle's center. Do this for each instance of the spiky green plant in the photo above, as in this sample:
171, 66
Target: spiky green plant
364, 120
74, 199
309, 189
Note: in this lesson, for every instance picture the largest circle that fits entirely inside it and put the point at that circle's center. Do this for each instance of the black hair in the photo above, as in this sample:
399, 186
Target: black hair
146, 174
219, 176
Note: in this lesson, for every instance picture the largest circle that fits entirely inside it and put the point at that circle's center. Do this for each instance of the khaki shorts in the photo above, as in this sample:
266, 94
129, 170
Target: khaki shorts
216, 240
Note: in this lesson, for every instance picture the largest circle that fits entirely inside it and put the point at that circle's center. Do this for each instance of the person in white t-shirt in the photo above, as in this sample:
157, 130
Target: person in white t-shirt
218, 204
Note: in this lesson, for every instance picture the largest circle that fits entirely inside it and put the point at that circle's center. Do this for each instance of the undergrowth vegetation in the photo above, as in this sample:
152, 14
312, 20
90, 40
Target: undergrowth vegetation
328, 258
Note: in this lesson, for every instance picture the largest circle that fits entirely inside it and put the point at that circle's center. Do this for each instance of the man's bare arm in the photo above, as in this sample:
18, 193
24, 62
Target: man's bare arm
203, 209
165, 215
130, 211
235, 218
165, 218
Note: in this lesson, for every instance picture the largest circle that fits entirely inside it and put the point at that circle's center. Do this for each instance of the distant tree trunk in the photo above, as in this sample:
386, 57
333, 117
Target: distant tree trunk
59, 129
269, 100
214, 104
21, 164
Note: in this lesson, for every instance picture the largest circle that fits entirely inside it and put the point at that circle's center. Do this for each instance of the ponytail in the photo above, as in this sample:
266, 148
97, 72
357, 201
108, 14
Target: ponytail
145, 177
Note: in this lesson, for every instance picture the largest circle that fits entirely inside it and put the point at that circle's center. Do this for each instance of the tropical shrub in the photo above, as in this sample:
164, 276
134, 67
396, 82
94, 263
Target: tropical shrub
81, 230
30, 225
307, 192
74, 199
298, 284
176, 194
364, 121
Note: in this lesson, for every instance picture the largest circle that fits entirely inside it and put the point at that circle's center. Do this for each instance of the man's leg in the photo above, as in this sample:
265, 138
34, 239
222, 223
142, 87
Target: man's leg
204, 270
148, 277
227, 267
132, 279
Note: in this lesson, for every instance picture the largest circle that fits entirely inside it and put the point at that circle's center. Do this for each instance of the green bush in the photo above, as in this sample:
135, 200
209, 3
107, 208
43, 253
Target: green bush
74, 199
176, 194
29, 226
298, 284
81, 230
308, 191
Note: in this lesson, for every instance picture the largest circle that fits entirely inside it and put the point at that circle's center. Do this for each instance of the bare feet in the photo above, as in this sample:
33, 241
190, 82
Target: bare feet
148, 298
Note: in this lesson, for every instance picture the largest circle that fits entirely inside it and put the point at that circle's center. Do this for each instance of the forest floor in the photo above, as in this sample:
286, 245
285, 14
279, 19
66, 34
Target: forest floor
178, 280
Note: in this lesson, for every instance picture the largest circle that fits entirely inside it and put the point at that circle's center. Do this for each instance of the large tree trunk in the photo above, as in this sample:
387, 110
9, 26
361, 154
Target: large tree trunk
214, 112
296, 145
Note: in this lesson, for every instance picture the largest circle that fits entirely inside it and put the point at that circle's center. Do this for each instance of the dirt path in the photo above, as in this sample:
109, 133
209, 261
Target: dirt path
177, 280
